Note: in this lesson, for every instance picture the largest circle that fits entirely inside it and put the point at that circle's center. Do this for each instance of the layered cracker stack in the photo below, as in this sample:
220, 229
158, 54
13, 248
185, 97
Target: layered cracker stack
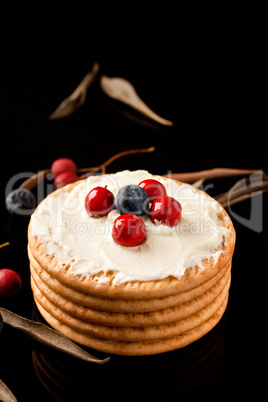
133, 318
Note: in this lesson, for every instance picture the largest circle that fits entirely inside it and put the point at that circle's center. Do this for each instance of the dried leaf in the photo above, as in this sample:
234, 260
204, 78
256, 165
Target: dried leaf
5, 394
77, 98
123, 91
47, 336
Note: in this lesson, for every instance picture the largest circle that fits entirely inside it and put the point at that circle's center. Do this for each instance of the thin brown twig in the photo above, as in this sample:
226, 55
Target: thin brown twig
258, 182
215, 173
244, 197
243, 189
113, 158
32, 182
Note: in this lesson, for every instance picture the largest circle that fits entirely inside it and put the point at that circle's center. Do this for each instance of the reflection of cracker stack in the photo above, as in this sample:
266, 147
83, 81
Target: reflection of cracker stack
189, 372
136, 317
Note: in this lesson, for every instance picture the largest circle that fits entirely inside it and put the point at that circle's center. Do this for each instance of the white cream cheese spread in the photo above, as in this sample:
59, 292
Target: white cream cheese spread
85, 243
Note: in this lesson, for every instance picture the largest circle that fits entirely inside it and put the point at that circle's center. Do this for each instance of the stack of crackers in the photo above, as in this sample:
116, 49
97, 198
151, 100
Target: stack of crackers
133, 318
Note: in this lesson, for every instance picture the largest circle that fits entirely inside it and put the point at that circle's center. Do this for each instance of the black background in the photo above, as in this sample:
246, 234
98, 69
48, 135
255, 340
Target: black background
206, 74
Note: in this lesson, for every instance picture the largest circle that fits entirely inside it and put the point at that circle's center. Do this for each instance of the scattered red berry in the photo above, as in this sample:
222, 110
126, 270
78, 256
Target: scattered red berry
153, 188
65, 178
63, 165
10, 283
166, 210
99, 201
128, 230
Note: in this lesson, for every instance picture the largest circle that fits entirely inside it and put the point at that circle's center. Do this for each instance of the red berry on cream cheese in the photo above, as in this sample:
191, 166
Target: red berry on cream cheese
166, 210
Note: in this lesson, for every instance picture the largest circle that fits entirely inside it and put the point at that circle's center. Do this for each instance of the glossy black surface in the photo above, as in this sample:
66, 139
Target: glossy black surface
214, 96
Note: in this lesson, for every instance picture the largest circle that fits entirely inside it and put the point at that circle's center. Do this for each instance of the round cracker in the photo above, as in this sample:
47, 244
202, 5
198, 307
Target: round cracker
135, 348
163, 316
122, 305
191, 279
132, 334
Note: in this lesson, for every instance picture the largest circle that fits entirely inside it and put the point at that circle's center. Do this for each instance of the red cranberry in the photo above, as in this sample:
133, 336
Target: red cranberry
153, 188
128, 230
65, 178
63, 165
10, 282
166, 210
99, 201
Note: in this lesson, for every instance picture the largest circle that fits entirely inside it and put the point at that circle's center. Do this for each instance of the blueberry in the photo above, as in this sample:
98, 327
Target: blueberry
20, 202
132, 199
